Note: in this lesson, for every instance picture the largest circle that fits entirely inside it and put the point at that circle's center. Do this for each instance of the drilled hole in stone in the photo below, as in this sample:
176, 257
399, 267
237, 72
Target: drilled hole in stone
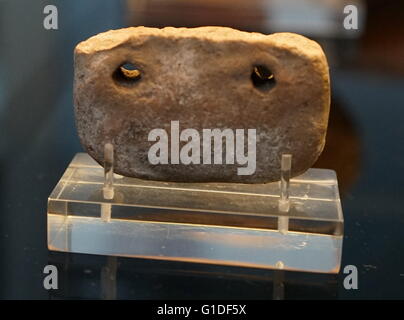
262, 78
127, 73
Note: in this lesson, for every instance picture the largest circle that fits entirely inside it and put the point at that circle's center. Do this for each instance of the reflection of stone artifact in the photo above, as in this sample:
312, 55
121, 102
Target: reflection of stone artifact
131, 81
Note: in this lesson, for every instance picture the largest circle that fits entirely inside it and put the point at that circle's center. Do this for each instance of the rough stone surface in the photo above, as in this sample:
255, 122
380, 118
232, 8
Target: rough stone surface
201, 77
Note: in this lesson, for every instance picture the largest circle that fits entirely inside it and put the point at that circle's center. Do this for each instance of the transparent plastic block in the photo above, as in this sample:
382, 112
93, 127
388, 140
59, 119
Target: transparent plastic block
94, 211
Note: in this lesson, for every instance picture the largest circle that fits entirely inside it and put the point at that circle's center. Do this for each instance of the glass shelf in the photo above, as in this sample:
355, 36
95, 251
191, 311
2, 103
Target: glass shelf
219, 223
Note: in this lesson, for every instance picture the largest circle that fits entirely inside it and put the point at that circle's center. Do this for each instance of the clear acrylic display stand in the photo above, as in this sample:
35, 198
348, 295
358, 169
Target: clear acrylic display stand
293, 224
